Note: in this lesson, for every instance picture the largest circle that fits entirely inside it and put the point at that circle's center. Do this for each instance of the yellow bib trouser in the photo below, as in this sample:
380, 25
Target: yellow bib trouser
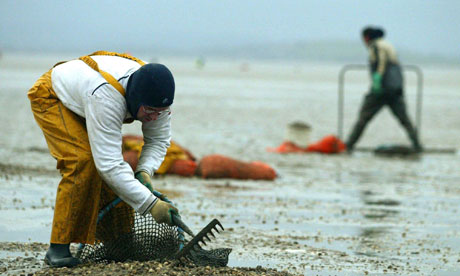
78, 197
81, 192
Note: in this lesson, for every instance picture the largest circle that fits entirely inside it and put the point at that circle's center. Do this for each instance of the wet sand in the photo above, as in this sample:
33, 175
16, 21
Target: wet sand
325, 215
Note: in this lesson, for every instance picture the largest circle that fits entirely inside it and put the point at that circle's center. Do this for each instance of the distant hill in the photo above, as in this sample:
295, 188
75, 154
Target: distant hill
334, 51
330, 51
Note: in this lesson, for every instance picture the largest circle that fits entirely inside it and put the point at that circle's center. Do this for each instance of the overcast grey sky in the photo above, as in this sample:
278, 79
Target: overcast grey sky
428, 27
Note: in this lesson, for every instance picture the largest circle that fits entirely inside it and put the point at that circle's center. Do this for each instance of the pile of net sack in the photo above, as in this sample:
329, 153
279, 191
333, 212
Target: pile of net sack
124, 235
180, 161
327, 145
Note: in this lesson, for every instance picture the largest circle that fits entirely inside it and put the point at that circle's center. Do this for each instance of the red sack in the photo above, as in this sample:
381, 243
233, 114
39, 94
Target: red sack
286, 147
219, 166
131, 156
183, 167
329, 144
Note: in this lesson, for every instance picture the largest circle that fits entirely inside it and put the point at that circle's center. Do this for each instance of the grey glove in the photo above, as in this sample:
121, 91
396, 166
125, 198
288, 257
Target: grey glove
145, 179
163, 211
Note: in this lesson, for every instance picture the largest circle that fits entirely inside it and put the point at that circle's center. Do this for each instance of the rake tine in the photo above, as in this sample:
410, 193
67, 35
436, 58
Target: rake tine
194, 245
218, 223
212, 234
202, 240
206, 236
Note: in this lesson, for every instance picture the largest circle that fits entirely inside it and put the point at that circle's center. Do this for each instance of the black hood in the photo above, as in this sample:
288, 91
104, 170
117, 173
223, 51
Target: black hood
373, 33
151, 85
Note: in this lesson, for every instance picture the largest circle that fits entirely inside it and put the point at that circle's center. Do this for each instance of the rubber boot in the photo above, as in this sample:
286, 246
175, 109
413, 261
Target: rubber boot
349, 148
414, 139
355, 134
418, 148
58, 255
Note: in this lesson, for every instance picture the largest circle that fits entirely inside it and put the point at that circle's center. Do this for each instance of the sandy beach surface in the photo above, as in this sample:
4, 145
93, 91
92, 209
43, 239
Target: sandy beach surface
356, 214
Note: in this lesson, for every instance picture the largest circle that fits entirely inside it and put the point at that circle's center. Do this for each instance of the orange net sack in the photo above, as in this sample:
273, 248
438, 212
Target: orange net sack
287, 147
219, 166
178, 160
132, 157
328, 145
183, 167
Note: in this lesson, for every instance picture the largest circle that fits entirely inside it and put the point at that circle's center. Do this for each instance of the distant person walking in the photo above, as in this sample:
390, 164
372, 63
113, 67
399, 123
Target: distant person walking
386, 87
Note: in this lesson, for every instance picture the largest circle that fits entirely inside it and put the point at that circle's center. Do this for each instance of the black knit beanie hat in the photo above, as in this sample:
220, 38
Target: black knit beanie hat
151, 85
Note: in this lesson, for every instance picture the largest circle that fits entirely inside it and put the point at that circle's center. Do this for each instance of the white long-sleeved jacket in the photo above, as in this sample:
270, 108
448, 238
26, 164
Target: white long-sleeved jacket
85, 92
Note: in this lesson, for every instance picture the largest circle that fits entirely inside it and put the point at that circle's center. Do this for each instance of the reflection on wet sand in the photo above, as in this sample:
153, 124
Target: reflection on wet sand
375, 237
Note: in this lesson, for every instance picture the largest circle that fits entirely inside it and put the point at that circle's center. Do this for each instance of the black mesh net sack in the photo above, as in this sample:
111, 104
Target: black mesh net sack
124, 235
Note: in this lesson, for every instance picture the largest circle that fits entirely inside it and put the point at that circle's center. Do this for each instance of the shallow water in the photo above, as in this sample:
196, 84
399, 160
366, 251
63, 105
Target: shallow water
324, 215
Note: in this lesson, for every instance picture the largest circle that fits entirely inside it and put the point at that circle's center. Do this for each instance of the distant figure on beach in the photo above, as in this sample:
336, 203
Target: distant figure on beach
81, 106
386, 87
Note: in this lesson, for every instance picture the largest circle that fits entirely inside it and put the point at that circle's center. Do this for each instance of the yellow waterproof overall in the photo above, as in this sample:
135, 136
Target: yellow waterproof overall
78, 197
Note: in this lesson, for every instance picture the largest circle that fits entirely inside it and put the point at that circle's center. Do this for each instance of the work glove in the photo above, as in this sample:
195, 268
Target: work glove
163, 211
162, 196
145, 179
376, 83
